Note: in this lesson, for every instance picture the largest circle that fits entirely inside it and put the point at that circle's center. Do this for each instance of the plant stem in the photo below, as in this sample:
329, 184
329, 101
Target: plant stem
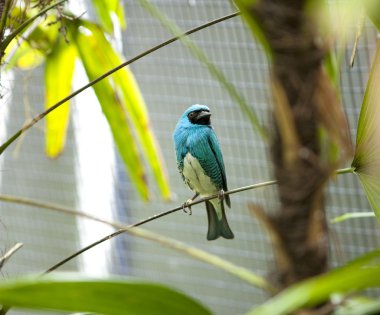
4, 17
345, 170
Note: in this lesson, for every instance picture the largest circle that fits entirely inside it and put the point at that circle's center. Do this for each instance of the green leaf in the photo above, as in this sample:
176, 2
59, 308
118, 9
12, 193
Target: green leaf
75, 293
245, 7
59, 69
30, 51
373, 11
23, 56
359, 274
352, 215
122, 105
367, 152
358, 306
106, 9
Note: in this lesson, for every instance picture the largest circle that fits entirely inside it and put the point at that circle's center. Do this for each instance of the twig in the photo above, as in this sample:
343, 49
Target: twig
105, 75
3, 20
67, 210
121, 227
359, 29
9, 253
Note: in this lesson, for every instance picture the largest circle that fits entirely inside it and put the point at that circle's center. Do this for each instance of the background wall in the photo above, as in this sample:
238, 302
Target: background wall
171, 80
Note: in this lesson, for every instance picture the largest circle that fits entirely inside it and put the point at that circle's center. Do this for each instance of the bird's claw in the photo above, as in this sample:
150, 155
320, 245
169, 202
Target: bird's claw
186, 205
221, 194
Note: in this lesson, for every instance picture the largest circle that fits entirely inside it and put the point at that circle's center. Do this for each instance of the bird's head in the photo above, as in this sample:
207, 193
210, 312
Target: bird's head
197, 115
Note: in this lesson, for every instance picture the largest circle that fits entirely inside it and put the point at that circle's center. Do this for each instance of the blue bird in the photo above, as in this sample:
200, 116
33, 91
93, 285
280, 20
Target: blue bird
200, 162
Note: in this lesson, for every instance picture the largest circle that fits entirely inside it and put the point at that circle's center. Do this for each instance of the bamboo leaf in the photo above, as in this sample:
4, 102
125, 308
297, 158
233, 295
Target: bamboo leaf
134, 107
245, 7
59, 69
359, 305
352, 215
367, 152
105, 10
373, 11
359, 274
94, 51
131, 102
112, 107
25, 57
75, 293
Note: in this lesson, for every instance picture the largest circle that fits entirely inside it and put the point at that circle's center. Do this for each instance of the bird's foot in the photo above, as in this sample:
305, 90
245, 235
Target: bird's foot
186, 205
221, 195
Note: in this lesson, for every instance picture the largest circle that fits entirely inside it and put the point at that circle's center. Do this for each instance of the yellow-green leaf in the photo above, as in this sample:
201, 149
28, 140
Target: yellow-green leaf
59, 70
367, 152
359, 274
245, 7
95, 61
106, 10
131, 102
23, 56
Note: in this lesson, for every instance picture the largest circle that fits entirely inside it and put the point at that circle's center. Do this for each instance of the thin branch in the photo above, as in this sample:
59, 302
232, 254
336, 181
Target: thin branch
9, 253
67, 210
125, 228
4, 17
107, 74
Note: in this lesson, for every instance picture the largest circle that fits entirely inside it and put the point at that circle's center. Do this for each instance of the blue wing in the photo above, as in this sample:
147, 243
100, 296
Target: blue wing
205, 147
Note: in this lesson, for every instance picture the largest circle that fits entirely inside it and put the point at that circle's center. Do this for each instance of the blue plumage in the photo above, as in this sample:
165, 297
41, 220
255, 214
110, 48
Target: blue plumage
200, 162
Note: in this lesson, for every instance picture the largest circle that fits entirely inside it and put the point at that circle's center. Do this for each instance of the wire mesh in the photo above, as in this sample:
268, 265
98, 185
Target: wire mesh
171, 80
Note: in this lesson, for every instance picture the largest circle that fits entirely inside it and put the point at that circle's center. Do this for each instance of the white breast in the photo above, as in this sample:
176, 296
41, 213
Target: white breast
196, 177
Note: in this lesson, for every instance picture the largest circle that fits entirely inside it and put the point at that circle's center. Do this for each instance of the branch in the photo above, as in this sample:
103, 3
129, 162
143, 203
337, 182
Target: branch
9, 253
3, 20
122, 227
36, 119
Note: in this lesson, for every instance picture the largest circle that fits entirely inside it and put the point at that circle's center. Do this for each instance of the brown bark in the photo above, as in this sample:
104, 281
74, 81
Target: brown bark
302, 93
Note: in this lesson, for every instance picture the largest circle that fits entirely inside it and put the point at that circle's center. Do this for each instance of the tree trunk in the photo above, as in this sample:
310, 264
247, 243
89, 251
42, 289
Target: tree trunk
302, 92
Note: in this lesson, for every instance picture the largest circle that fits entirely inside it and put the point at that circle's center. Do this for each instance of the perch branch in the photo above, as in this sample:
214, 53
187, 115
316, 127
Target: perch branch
9, 253
122, 227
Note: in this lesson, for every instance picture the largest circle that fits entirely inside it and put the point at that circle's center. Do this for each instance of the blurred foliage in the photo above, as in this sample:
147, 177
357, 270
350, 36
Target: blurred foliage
76, 293
366, 161
61, 39
357, 275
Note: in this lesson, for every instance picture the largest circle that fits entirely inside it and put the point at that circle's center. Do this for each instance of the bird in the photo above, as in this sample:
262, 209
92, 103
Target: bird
200, 162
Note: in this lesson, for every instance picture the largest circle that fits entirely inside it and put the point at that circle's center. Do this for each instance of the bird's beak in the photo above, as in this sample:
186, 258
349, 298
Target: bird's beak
203, 114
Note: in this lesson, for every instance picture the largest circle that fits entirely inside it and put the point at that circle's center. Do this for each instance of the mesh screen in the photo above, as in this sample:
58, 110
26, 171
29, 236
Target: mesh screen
171, 80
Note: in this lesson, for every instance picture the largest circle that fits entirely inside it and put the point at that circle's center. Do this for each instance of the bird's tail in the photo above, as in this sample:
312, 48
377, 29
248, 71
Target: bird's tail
217, 225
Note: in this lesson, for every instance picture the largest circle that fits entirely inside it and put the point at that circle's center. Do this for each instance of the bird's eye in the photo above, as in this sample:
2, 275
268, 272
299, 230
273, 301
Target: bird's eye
192, 115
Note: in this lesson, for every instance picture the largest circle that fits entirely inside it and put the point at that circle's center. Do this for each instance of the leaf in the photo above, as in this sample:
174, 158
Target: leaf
359, 274
59, 69
246, 8
358, 306
373, 11
105, 10
73, 292
352, 215
122, 105
30, 51
367, 152
24, 57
